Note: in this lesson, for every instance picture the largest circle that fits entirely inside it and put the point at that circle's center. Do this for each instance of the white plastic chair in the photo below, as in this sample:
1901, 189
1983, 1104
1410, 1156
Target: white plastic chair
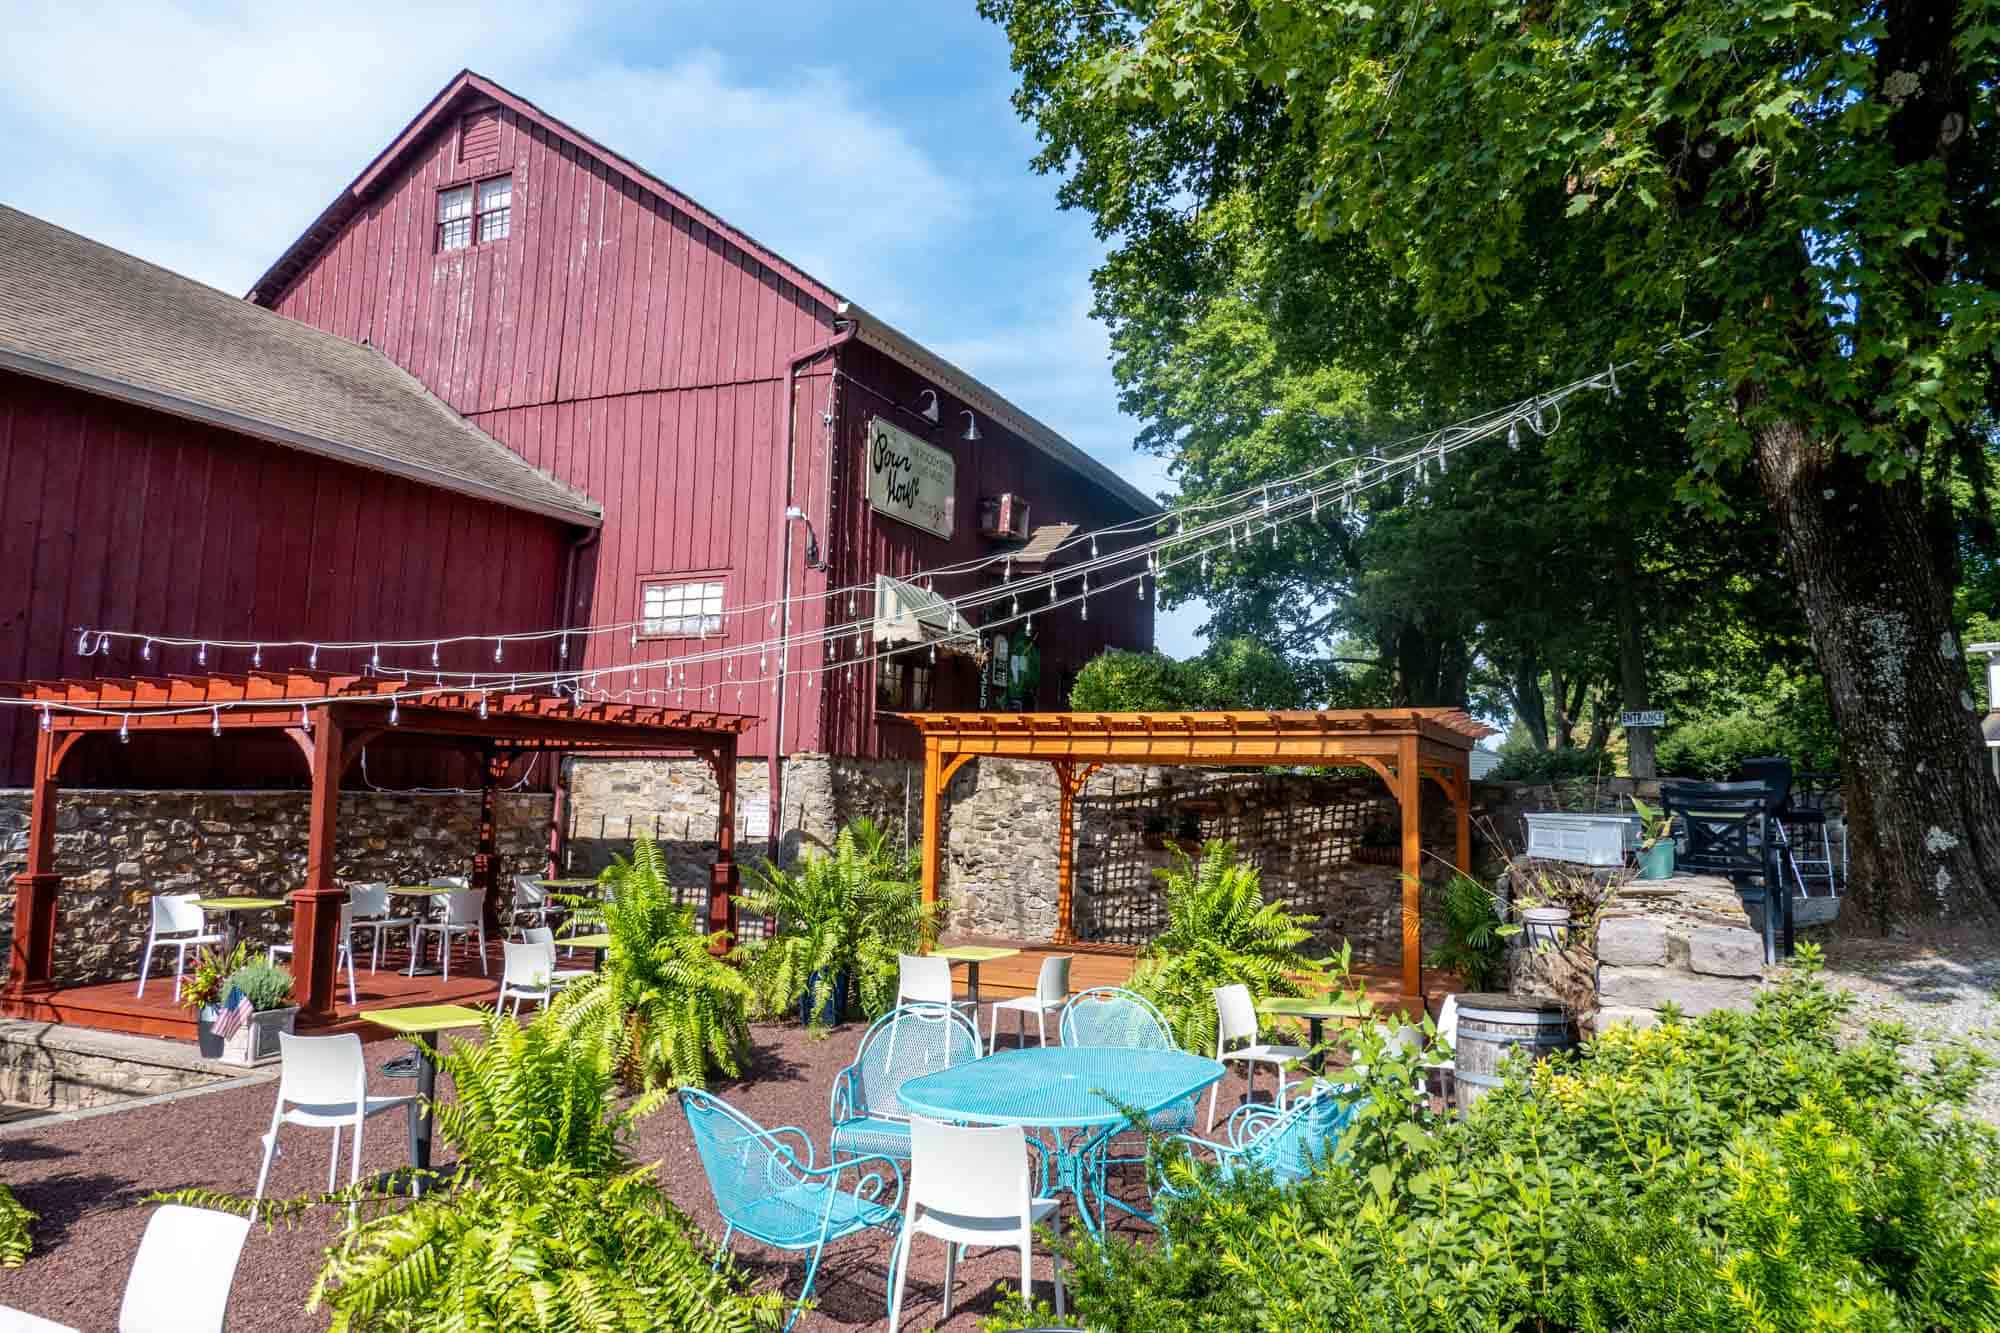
345, 955
464, 914
527, 972
531, 903
970, 1187
1447, 1034
1051, 993
180, 1276
926, 979
1236, 1020
371, 913
177, 923
323, 1084
545, 935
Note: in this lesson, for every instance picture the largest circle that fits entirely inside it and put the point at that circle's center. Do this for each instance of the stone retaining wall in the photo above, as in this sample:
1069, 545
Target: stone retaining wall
117, 848
52, 1067
1686, 941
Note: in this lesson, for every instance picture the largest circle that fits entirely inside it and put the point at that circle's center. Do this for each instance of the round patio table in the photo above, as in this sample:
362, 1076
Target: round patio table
1075, 1091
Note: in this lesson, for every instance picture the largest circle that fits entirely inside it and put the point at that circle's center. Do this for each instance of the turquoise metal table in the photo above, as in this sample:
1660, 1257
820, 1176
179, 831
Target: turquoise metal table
1073, 1091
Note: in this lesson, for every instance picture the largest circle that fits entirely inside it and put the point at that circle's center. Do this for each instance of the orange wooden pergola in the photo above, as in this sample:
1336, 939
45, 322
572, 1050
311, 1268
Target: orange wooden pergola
330, 717
1403, 746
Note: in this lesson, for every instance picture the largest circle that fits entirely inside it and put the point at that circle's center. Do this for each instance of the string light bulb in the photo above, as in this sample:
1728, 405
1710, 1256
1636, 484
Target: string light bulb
201, 656
47, 721
312, 659
125, 729
482, 705
434, 654
1514, 435
257, 656
375, 659
305, 719
395, 710
562, 649
146, 650
215, 721
499, 646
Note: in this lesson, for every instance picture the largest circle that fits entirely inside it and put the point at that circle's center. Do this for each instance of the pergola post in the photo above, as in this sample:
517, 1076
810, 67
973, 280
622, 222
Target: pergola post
1462, 807
486, 857
932, 843
724, 876
316, 906
1410, 795
31, 966
1065, 861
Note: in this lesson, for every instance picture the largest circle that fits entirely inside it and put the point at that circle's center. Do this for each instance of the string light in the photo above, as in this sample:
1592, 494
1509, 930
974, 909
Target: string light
257, 657
395, 710
499, 647
146, 650
482, 705
312, 659
47, 723
201, 658
215, 721
305, 719
83, 643
376, 659
434, 653
125, 729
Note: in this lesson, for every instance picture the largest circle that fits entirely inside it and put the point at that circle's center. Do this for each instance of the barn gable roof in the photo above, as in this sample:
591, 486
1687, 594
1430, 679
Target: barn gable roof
467, 91
79, 313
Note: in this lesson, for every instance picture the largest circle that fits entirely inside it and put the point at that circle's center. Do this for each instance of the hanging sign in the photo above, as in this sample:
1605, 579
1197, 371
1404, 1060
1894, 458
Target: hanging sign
909, 480
1645, 717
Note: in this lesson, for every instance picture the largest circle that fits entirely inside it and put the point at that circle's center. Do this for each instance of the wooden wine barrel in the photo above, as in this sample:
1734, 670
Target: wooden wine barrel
1491, 1026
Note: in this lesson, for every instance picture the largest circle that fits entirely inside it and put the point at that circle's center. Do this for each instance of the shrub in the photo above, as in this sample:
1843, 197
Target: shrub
851, 912
664, 1009
1473, 944
268, 985
1713, 747
15, 1240
1550, 765
1743, 1172
1220, 930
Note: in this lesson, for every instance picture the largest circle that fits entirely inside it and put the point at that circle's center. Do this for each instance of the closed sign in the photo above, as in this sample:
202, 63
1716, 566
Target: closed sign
910, 480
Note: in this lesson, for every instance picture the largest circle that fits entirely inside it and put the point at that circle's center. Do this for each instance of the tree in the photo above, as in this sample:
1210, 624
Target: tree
1233, 673
1794, 202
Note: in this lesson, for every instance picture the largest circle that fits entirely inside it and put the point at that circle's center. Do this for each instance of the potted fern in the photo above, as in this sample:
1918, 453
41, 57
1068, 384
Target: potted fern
664, 1009
1221, 930
839, 920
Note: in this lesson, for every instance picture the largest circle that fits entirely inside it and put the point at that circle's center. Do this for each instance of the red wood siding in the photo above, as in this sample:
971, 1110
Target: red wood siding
122, 518
866, 543
641, 356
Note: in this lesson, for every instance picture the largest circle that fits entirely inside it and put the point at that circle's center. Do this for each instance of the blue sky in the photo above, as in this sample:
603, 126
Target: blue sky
872, 143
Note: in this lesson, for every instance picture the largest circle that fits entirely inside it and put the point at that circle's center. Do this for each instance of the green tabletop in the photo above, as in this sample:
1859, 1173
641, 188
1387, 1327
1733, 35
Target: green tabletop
584, 942
422, 1018
566, 883
974, 953
420, 890
239, 904
1285, 1006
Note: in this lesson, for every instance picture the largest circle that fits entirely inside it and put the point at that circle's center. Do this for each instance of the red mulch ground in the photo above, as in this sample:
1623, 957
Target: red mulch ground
86, 1180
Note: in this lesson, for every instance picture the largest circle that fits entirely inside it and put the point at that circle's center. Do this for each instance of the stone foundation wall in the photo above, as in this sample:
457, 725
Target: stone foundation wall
116, 849
1327, 846
55, 1068
1686, 941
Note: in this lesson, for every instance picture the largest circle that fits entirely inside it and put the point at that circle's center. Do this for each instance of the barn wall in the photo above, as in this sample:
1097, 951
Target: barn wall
865, 543
123, 518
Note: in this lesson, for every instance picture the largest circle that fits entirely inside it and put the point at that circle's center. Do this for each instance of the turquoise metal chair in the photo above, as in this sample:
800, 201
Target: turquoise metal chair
1289, 1144
905, 1043
1112, 1016
766, 1186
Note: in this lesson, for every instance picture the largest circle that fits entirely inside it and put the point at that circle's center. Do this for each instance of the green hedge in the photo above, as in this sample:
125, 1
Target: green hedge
1744, 1172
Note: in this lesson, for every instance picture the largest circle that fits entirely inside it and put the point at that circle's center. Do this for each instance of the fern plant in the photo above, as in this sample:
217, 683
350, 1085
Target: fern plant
546, 1224
15, 1240
1475, 940
850, 912
664, 1009
1220, 931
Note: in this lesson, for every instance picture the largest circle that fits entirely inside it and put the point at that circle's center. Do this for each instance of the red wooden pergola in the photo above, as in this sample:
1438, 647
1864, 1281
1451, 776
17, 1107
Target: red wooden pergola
330, 717
1402, 746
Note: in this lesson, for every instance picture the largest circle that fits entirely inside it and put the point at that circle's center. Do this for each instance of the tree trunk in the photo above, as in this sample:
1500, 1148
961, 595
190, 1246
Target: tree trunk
1923, 810
1529, 705
1559, 725
1633, 691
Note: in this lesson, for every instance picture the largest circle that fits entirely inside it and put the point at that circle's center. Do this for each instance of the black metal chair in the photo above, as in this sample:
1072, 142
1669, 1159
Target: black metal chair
1729, 831
1799, 807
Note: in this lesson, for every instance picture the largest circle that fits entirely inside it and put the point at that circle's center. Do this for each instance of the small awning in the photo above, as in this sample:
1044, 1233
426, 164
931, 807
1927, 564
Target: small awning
1042, 543
908, 615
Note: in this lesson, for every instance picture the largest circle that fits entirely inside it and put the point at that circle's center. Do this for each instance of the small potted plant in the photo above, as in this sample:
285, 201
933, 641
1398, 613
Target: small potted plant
203, 990
1656, 842
268, 988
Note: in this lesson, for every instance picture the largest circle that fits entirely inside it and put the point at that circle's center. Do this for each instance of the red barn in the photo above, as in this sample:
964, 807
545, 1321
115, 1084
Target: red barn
175, 459
611, 330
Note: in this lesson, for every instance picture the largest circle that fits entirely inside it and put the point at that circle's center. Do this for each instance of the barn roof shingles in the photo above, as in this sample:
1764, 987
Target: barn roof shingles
77, 312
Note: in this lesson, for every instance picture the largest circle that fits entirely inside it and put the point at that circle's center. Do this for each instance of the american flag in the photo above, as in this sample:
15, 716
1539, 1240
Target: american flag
236, 1011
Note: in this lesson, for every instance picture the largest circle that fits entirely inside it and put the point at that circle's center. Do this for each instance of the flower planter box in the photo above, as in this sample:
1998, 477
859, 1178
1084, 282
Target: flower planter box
257, 1040
1592, 840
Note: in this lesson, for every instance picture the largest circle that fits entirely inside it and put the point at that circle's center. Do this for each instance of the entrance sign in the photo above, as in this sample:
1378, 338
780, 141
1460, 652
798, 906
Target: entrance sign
1645, 717
909, 480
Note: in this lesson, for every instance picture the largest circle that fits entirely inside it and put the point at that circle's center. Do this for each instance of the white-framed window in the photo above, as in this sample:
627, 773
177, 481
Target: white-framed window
455, 218
496, 208
680, 608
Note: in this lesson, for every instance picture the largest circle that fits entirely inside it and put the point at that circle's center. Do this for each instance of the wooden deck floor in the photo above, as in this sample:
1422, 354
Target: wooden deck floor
113, 1007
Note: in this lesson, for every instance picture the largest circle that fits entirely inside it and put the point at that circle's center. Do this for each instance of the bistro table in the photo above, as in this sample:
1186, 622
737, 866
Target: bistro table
1336, 1008
1074, 1091
597, 944
425, 1020
229, 909
972, 955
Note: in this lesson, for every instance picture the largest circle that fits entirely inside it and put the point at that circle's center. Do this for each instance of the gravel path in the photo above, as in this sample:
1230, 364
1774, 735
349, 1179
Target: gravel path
1942, 988
87, 1179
